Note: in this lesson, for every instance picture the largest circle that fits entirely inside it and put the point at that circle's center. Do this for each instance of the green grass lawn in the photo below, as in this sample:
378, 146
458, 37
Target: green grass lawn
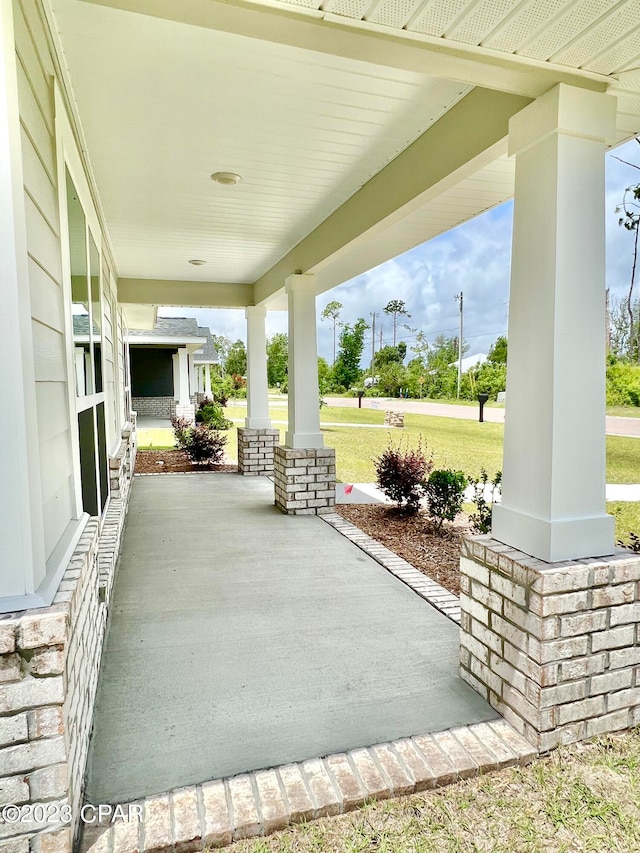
624, 411
581, 799
460, 444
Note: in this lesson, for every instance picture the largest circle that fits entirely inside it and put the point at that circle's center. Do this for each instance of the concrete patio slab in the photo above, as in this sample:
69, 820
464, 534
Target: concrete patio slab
241, 639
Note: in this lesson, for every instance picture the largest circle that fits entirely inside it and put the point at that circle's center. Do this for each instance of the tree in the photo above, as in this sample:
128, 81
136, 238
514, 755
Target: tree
324, 376
396, 308
623, 335
332, 312
236, 361
389, 355
346, 370
392, 378
222, 345
629, 209
277, 359
498, 351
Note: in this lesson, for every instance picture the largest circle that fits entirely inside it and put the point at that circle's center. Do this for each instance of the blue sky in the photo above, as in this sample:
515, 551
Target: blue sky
474, 257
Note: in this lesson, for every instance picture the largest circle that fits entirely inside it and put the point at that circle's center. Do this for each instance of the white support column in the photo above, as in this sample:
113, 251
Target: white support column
304, 396
176, 377
553, 504
183, 377
22, 551
207, 381
192, 374
257, 386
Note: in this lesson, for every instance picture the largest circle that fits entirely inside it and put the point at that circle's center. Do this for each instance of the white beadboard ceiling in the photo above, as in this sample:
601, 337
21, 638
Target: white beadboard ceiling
163, 105
486, 188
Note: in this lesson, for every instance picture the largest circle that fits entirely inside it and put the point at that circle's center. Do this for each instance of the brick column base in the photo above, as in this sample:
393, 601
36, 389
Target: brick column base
305, 480
554, 647
187, 412
255, 450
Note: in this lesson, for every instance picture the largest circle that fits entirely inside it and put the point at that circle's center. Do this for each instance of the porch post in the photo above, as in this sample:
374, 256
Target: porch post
547, 632
305, 471
257, 388
191, 375
553, 504
184, 406
207, 381
304, 396
256, 441
22, 551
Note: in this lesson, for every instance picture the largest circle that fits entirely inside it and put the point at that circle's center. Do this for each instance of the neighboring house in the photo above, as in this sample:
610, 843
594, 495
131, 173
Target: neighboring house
170, 366
469, 361
252, 156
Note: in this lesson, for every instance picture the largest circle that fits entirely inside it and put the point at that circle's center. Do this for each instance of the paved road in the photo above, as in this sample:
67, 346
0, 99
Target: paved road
615, 426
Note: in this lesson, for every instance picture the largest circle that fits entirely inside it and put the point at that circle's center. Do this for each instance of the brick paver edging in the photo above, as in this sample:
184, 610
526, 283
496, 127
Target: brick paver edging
217, 813
181, 473
439, 597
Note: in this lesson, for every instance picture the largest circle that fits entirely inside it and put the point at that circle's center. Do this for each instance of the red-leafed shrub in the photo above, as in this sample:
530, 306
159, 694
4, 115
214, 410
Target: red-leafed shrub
401, 475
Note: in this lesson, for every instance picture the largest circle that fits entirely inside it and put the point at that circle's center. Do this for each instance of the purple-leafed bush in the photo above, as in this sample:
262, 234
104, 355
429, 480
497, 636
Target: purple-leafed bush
401, 475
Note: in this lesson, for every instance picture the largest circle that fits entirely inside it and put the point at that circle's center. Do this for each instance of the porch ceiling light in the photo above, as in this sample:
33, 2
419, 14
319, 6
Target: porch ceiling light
227, 179
197, 263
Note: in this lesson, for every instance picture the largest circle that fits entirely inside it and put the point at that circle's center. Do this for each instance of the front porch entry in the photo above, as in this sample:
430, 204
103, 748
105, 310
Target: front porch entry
242, 638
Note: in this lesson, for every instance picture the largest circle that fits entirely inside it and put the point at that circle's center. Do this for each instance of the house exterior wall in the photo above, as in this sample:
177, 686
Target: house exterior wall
35, 98
49, 666
50, 655
46, 245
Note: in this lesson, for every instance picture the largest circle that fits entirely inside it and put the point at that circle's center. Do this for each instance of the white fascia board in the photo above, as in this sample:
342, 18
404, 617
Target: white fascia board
189, 341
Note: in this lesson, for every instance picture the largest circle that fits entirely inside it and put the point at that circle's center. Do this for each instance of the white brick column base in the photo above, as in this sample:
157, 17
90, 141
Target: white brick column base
554, 647
305, 480
188, 412
255, 450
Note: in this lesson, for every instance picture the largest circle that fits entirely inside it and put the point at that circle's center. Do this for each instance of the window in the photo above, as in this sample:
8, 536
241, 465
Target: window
86, 310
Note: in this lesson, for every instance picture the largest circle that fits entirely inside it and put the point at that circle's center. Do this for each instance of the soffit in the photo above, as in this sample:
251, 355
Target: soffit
488, 187
601, 36
163, 105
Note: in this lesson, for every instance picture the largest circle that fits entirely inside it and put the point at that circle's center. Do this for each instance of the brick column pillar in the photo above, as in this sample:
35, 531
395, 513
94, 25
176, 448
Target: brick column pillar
553, 647
305, 480
255, 450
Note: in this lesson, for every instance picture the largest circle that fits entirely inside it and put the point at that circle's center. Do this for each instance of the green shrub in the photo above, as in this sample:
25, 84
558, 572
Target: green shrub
623, 383
444, 492
201, 443
212, 414
481, 518
205, 446
181, 429
401, 474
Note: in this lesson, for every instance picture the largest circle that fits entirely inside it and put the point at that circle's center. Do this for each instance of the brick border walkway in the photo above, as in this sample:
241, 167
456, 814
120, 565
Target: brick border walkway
254, 804
439, 597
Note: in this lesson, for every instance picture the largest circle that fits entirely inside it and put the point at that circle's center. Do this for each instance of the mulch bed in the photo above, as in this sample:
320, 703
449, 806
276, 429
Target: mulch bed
172, 462
413, 538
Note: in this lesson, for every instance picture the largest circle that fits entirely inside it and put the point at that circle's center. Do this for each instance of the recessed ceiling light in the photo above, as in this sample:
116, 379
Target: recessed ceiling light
197, 263
227, 179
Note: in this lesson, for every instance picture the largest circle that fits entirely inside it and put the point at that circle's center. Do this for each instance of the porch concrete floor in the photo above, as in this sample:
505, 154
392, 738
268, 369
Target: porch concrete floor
241, 638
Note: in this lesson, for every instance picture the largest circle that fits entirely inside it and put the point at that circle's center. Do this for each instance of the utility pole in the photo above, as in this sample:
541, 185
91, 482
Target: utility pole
380, 347
459, 297
373, 340
608, 321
